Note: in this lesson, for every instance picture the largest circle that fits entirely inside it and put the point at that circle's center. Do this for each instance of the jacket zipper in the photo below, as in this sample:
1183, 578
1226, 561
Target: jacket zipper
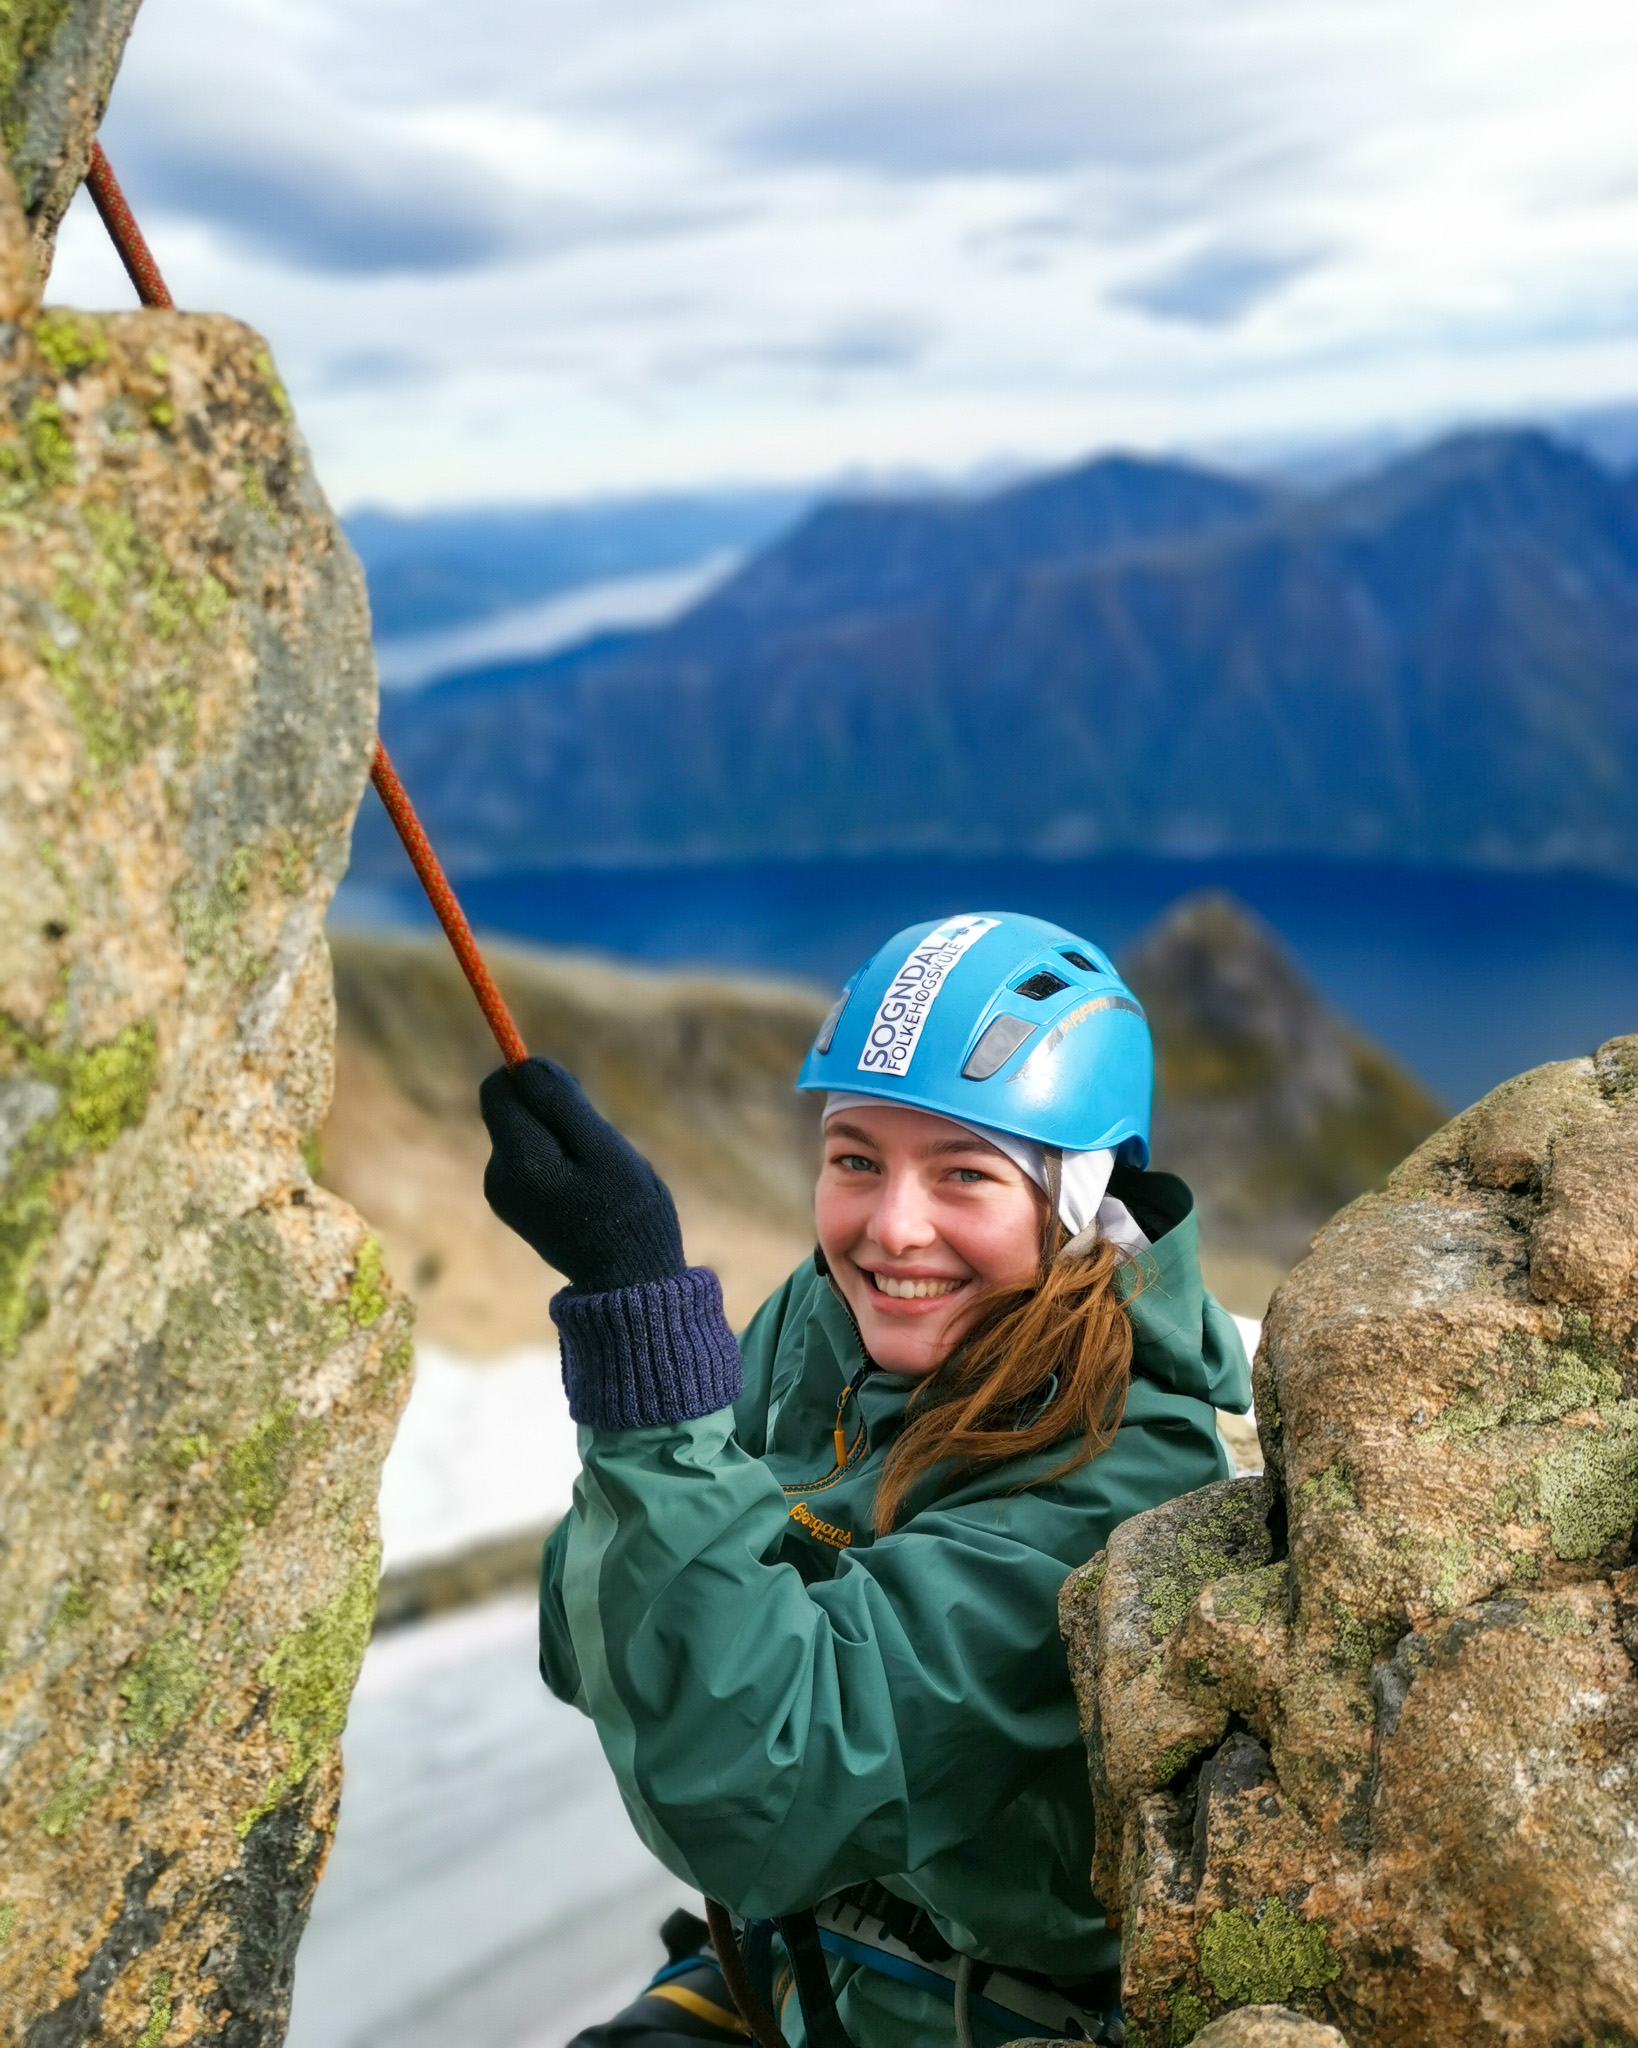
865, 1370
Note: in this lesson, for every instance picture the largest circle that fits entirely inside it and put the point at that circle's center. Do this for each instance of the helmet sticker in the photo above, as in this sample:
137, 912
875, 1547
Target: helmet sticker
912, 992
1061, 1030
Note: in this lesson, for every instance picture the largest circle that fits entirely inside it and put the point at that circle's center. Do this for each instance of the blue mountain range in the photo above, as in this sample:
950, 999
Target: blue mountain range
1437, 662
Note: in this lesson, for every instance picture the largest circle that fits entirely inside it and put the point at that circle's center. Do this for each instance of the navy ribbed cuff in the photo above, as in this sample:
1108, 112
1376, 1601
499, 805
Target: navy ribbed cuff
639, 1356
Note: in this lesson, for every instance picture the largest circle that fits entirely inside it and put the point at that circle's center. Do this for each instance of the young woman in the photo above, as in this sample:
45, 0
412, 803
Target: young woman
808, 1587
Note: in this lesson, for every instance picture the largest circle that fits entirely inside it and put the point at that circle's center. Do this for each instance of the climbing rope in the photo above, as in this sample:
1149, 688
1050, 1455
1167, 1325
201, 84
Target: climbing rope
449, 912
143, 272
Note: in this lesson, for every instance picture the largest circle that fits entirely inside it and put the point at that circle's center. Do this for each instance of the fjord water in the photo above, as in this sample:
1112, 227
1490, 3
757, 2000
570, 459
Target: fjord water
1468, 976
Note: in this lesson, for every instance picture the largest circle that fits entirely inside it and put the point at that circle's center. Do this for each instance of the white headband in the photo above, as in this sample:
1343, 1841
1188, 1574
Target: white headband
1084, 1206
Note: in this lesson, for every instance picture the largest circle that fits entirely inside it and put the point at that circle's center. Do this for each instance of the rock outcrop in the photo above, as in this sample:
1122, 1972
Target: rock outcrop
1364, 1732
1274, 1108
1252, 2026
201, 1360
1267, 2026
57, 65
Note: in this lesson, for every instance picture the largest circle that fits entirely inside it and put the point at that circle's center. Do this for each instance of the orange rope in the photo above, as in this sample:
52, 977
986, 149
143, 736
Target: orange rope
126, 236
450, 915
143, 272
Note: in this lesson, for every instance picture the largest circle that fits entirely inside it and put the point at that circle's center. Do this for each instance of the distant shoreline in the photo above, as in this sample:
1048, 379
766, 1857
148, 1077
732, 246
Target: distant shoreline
1467, 975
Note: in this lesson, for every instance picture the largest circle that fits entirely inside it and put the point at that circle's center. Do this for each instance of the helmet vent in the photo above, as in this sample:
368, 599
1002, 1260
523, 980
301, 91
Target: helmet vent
833, 1017
997, 1046
1080, 960
1041, 985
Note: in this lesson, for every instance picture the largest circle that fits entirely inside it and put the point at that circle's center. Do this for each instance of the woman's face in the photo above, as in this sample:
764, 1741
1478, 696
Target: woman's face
915, 1216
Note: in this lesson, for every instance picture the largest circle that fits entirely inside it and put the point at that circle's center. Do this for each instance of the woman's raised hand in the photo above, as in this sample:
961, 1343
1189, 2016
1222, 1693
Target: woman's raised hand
566, 1181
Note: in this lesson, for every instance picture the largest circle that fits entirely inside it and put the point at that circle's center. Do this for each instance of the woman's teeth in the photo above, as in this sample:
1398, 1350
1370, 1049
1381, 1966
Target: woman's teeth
912, 1290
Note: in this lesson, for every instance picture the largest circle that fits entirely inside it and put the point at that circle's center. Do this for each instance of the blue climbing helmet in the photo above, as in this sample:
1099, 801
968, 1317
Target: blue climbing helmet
998, 1019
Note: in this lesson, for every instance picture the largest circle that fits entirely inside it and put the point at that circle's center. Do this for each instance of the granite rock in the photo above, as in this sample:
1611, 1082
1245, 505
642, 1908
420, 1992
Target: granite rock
57, 65
201, 1359
1252, 2026
1364, 1732
1267, 2026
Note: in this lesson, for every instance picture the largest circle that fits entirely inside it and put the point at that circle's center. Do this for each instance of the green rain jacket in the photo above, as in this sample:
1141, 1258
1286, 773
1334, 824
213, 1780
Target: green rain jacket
791, 1703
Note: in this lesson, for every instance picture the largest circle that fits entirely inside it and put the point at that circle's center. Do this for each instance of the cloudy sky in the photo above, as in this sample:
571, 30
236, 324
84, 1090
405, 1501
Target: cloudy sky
534, 249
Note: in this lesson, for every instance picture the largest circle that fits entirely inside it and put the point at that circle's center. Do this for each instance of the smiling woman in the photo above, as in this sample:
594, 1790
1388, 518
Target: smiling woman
915, 1219
808, 1587
944, 1248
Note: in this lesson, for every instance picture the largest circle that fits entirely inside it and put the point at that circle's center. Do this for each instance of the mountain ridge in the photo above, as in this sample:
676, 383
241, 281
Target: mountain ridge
1436, 662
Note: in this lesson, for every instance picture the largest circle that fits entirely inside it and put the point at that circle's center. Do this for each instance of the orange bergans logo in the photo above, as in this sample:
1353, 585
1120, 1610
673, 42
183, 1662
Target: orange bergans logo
827, 1532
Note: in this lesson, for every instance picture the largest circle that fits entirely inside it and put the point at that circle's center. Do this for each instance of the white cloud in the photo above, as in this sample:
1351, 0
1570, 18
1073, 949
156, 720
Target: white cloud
530, 248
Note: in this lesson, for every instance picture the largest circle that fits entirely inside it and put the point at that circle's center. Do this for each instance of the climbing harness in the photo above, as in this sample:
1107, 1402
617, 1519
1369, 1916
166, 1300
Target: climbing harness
876, 1929
684, 2002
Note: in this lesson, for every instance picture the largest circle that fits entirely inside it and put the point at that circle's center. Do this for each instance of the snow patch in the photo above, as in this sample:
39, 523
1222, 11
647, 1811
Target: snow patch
483, 1450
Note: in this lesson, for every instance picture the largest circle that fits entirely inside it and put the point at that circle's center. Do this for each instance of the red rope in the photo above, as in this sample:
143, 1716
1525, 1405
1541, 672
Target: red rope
450, 915
127, 237
143, 272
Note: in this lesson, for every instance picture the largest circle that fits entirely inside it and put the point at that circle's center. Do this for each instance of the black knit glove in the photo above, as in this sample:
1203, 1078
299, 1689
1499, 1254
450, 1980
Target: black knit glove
567, 1182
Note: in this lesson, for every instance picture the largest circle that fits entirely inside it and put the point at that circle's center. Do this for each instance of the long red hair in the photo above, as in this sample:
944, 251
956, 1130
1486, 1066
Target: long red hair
1043, 1363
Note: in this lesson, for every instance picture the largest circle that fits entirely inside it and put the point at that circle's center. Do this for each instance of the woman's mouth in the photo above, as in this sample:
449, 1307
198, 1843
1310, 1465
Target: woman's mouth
911, 1290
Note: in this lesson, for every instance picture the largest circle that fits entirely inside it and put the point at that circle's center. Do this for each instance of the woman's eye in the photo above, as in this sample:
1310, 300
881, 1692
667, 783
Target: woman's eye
854, 1162
969, 1174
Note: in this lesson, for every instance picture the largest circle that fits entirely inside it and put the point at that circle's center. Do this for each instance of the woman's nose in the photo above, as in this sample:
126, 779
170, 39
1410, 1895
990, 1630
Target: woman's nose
903, 1220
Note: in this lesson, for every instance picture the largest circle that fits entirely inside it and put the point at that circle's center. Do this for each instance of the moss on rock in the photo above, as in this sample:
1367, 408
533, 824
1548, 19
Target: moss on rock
1188, 2015
367, 1297
84, 1098
160, 2012
161, 1688
1245, 1598
1587, 1486
312, 1674
1173, 1762
70, 342
1266, 1959
259, 1464
1533, 1381
1330, 1492
1222, 1527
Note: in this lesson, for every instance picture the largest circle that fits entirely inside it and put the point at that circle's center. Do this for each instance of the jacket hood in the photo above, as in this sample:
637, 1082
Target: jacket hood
1181, 1337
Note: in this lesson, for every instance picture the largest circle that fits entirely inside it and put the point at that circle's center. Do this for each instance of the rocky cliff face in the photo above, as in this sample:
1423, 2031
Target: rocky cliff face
57, 65
200, 1358
1364, 1733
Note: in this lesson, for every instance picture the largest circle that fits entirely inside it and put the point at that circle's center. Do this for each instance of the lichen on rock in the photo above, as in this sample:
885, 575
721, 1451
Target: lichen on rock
201, 1355
1364, 1733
